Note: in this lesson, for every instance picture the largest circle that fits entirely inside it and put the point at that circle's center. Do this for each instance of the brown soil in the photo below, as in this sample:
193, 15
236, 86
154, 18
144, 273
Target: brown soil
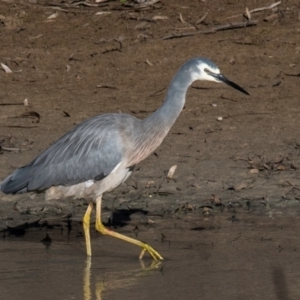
77, 64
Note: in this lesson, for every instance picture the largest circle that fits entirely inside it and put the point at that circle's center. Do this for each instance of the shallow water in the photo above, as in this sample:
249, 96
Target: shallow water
250, 257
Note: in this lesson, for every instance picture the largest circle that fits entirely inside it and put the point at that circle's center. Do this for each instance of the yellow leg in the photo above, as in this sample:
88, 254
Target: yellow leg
145, 247
86, 228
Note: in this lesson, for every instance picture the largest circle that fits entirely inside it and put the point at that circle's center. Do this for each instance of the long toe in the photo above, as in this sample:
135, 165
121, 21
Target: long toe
155, 255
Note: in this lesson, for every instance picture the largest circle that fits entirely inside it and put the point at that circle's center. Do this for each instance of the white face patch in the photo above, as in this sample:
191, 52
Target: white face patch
204, 75
89, 183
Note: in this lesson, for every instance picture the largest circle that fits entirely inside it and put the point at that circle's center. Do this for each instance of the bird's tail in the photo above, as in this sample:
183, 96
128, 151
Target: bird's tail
17, 182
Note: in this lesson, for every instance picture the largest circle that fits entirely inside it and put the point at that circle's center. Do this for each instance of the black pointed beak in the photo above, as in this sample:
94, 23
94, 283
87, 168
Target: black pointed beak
222, 78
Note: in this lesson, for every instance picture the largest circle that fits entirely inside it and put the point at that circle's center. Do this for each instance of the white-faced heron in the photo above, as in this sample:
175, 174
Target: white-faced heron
99, 154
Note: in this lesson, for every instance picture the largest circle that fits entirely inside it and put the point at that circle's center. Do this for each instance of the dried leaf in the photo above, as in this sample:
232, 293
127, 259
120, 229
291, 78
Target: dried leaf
159, 18
171, 172
101, 13
202, 19
274, 5
254, 171
248, 14
181, 19
36, 37
6, 68
149, 63
10, 149
232, 61
53, 16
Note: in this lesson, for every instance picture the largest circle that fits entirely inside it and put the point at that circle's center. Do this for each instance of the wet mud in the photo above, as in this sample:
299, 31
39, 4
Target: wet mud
249, 257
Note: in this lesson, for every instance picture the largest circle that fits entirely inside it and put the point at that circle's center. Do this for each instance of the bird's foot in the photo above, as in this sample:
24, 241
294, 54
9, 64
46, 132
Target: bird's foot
155, 255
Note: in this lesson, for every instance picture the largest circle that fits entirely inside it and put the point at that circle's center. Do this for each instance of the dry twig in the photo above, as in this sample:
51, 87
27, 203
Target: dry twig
265, 8
212, 30
202, 19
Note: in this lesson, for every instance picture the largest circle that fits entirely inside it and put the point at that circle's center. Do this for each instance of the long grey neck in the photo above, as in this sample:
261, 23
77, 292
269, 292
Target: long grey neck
152, 130
164, 117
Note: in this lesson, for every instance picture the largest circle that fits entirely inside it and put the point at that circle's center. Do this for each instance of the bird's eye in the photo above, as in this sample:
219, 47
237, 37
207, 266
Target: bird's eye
206, 70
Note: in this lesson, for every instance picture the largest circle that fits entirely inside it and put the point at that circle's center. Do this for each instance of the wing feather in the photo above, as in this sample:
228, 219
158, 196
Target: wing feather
91, 149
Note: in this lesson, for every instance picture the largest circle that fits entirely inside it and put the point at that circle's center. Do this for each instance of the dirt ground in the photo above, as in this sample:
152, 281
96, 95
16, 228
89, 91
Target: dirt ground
75, 61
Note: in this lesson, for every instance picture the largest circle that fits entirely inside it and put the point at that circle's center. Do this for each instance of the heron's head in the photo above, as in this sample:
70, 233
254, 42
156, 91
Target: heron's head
207, 70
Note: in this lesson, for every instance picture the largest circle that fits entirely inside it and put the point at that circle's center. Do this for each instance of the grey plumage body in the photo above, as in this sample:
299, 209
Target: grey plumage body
99, 154
95, 148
